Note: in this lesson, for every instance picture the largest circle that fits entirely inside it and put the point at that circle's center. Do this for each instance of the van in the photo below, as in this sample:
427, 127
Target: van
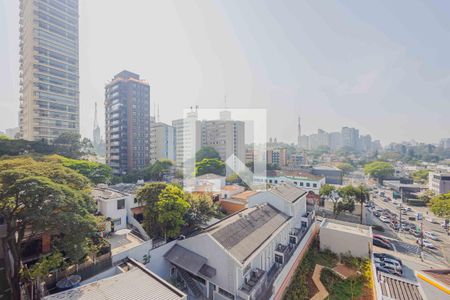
419, 216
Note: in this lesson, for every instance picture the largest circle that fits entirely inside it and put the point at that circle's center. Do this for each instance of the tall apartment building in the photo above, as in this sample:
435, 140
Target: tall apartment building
162, 142
225, 135
187, 138
127, 123
350, 137
49, 72
277, 157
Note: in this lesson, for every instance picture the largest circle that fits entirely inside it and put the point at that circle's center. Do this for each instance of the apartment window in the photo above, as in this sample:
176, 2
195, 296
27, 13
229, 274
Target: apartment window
226, 294
278, 259
315, 185
301, 183
121, 204
307, 184
116, 222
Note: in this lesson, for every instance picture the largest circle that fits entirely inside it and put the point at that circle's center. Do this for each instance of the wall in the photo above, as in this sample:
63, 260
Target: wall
158, 264
136, 253
342, 242
284, 278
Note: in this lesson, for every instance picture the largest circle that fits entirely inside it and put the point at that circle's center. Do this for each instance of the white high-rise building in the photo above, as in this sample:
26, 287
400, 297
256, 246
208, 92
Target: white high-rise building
49, 68
187, 138
162, 142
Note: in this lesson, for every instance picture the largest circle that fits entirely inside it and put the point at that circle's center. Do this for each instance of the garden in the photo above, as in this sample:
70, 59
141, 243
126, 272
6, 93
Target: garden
344, 277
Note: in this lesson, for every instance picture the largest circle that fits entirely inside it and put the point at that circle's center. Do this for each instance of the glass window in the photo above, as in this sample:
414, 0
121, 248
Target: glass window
121, 204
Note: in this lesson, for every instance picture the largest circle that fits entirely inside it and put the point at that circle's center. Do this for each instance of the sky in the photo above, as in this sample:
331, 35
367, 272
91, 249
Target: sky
380, 66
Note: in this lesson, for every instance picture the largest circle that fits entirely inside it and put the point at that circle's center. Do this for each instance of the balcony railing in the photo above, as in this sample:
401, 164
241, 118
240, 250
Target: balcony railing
253, 285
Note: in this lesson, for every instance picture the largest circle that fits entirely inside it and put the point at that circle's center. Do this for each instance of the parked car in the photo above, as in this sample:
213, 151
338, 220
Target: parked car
383, 268
385, 219
383, 256
376, 214
380, 237
431, 235
381, 244
419, 216
426, 243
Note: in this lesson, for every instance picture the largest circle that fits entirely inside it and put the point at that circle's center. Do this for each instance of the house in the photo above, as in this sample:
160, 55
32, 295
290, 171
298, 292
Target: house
229, 190
130, 280
205, 183
236, 202
439, 183
301, 179
249, 254
344, 237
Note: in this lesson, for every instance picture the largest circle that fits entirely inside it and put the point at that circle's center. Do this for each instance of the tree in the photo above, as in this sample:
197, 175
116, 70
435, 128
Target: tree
210, 165
38, 197
96, 172
345, 167
420, 176
440, 205
149, 196
352, 193
171, 209
379, 169
327, 191
206, 152
70, 144
426, 195
201, 211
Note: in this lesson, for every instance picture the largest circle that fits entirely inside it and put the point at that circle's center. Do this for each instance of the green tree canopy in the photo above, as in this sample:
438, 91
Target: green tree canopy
440, 205
70, 144
40, 197
346, 167
149, 196
326, 190
206, 152
210, 165
379, 169
201, 210
171, 209
420, 176
96, 172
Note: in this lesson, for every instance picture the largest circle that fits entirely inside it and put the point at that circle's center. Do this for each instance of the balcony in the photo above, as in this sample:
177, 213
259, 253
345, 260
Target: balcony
253, 284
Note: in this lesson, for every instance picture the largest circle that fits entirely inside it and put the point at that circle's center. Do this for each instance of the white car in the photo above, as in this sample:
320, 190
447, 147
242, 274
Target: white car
385, 219
426, 244
431, 235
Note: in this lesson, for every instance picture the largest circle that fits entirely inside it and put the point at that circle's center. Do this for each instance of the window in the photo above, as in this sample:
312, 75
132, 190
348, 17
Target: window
135, 200
307, 184
278, 259
121, 204
116, 222
301, 183
226, 294
315, 185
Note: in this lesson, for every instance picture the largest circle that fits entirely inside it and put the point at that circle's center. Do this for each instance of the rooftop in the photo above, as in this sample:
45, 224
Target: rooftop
106, 193
137, 283
346, 227
232, 187
288, 192
243, 233
190, 261
326, 168
244, 195
123, 242
295, 174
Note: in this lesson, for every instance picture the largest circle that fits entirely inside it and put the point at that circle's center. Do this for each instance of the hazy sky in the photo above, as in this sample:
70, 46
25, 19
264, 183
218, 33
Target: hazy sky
380, 66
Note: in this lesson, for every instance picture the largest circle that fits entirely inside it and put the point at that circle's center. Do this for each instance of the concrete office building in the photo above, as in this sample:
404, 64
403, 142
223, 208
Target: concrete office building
277, 157
49, 72
225, 135
350, 137
162, 141
127, 123
332, 175
187, 138
439, 183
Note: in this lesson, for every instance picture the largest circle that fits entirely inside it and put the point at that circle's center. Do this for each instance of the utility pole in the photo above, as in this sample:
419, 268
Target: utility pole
401, 203
421, 239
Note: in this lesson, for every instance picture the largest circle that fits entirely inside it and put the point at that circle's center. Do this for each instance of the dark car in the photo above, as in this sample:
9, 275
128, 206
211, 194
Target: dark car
383, 256
376, 214
383, 268
382, 244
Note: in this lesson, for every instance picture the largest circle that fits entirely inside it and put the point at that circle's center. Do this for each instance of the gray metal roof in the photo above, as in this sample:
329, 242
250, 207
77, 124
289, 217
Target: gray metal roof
190, 261
243, 233
134, 284
393, 287
288, 192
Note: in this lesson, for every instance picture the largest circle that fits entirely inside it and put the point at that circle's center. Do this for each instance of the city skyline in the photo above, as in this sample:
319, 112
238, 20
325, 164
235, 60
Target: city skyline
377, 77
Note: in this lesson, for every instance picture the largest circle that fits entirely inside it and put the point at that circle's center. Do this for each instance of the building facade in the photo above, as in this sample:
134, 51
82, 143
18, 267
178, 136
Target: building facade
162, 142
127, 123
439, 183
187, 138
277, 157
303, 180
49, 69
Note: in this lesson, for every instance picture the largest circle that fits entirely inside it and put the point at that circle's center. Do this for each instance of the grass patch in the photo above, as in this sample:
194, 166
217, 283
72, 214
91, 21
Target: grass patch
339, 289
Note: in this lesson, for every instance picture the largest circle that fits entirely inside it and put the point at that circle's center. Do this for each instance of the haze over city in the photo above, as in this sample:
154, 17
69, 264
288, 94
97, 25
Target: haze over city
339, 64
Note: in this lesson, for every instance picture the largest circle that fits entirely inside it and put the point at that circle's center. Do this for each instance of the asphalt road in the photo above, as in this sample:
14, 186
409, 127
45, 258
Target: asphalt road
406, 243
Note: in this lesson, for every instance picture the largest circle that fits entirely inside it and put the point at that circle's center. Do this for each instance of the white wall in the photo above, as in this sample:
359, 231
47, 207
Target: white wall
267, 197
158, 264
136, 253
341, 242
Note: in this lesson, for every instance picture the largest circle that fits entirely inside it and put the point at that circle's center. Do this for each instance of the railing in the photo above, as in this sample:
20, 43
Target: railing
85, 270
134, 223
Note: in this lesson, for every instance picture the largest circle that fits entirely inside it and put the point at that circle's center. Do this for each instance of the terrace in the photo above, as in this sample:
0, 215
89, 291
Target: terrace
253, 284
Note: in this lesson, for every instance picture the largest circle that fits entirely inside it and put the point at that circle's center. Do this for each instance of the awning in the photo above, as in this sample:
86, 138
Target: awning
190, 261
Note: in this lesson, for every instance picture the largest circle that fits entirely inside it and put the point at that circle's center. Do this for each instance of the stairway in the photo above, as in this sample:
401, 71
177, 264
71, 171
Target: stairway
191, 284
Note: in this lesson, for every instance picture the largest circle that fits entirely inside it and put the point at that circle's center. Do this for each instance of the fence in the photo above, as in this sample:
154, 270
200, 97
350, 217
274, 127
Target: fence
85, 270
